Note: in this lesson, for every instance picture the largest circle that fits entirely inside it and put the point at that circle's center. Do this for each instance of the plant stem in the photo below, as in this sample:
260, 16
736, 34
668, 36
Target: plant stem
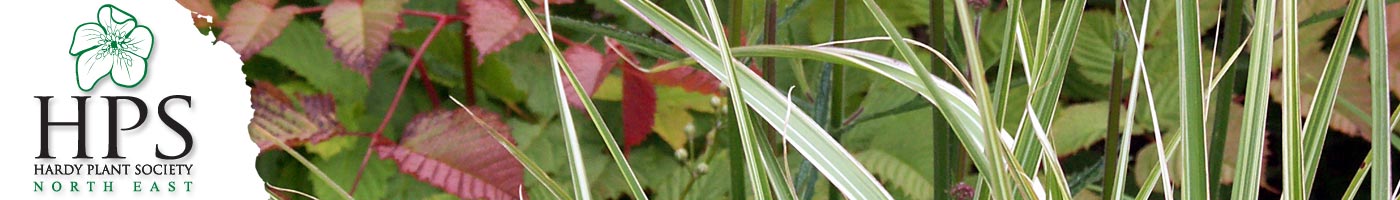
398, 95
1192, 124
947, 152
427, 83
309, 10
770, 35
434, 15
1113, 141
738, 149
1221, 100
838, 76
468, 61
736, 22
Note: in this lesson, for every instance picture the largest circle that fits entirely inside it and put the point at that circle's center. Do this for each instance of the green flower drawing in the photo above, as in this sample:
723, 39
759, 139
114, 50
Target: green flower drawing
113, 46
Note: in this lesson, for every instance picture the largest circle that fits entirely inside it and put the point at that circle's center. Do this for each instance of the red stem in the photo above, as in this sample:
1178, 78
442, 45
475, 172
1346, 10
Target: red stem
428, 83
310, 10
468, 60
398, 95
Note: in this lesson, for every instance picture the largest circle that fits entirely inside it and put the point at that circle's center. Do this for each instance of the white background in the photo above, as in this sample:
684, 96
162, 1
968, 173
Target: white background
35, 62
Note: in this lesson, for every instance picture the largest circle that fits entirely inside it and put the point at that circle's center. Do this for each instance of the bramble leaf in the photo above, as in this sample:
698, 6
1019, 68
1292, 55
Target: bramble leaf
274, 113
897, 173
359, 31
1073, 132
494, 24
1352, 103
450, 150
201, 7
251, 26
1392, 33
589, 65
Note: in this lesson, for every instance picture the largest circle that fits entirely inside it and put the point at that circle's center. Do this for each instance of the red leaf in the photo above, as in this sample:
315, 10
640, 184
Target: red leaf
449, 150
200, 7
252, 25
494, 24
273, 113
359, 31
639, 96
691, 79
590, 67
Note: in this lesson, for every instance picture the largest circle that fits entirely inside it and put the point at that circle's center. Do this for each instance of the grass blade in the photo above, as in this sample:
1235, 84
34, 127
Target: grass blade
755, 161
530, 165
1248, 161
1195, 184
1380, 100
1360, 176
576, 164
830, 158
310, 167
1048, 73
1292, 147
1315, 129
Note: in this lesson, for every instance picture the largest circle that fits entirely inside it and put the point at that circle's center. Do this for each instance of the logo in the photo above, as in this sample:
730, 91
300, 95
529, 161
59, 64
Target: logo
114, 46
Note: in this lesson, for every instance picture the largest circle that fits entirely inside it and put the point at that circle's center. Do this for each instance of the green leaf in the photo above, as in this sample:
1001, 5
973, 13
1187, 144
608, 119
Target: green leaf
343, 166
302, 49
898, 161
359, 31
896, 172
1093, 50
1081, 126
494, 77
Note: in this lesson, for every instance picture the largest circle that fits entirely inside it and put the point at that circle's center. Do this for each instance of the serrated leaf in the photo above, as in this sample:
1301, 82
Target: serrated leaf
589, 65
1353, 104
201, 7
669, 123
274, 113
343, 167
1393, 34
359, 31
901, 152
302, 49
689, 78
1147, 157
494, 77
494, 24
251, 26
672, 115
896, 172
639, 98
1093, 50
1080, 127
450, 150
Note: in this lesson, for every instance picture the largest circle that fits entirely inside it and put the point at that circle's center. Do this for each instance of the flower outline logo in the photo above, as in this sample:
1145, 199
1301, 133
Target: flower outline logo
115, 46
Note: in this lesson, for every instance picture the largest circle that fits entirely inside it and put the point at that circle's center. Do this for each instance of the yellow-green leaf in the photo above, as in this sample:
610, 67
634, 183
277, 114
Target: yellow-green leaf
359, 31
